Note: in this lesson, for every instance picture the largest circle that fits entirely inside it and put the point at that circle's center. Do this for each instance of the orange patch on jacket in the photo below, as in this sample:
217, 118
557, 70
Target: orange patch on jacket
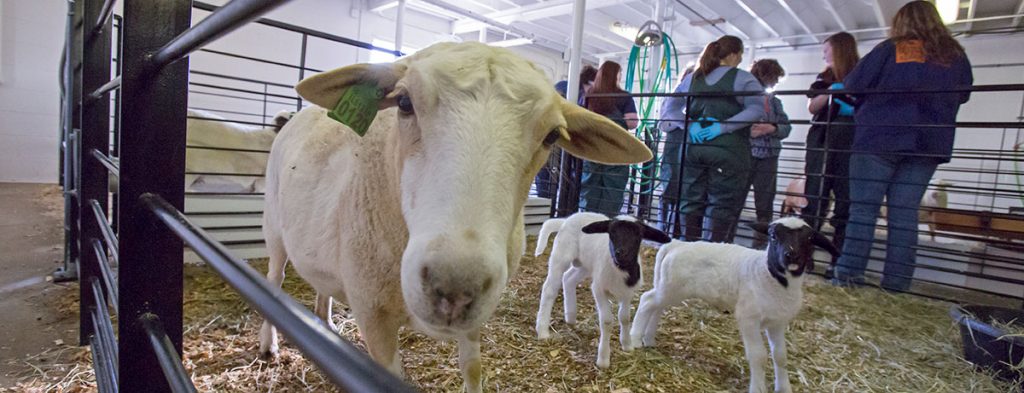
910, 51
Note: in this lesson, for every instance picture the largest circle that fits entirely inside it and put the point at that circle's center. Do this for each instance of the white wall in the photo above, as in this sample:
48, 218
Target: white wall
31, 37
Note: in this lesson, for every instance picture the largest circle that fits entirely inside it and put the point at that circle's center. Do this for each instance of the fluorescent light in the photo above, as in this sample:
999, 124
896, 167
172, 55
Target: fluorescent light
949, 10
512, 42
624, 30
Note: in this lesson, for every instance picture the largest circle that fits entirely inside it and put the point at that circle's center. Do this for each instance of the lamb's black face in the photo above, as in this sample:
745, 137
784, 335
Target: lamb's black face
791, 248
624, 243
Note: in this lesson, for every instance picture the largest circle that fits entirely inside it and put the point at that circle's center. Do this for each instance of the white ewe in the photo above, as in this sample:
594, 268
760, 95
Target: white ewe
763, 288
420, 220
592, 245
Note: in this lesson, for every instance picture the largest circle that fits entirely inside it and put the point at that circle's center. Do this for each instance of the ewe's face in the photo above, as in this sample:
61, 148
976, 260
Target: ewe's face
474, 125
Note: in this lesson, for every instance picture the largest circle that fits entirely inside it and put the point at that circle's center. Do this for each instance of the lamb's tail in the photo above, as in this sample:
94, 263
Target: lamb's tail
550, 226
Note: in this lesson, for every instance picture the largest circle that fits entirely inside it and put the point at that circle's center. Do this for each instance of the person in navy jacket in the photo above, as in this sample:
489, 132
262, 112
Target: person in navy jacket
900, 139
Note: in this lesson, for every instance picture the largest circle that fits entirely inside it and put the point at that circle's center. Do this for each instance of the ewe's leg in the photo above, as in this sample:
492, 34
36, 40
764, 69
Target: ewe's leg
275, 274
379, 328
753, 344
627, 345
777, 341
469, 362
322, 309
570, 280
556, 267
604, 318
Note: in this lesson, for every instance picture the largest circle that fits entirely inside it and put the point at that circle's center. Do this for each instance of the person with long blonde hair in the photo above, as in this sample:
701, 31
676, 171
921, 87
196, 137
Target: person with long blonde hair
602, 187
827, 159
900, 139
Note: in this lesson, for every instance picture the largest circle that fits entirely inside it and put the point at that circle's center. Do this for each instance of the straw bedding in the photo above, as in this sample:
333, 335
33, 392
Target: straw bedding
844, 340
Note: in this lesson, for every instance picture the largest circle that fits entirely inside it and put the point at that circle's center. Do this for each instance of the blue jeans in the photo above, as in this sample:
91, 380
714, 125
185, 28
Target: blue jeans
903, 181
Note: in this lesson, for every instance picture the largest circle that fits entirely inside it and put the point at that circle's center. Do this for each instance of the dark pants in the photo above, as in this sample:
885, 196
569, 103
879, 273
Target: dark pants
763, 181
714, 186
603, 187
902, 181
828, 175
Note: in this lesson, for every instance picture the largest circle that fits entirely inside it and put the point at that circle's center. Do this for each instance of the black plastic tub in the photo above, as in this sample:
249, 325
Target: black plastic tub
987, 346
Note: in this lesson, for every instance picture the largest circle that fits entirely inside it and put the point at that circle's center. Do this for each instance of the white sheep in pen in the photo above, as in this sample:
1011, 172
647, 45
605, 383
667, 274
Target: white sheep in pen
763, 288
608, 251
420, 221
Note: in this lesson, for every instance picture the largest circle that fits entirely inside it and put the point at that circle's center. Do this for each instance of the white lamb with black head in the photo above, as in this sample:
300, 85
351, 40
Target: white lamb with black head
762, 288
592, 245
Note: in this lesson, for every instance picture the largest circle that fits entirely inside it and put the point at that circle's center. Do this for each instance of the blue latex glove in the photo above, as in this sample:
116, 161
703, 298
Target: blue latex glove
700, 134
695, 131
844, 108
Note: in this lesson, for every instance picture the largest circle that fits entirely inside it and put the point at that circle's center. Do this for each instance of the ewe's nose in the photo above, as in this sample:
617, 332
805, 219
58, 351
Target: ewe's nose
452, 307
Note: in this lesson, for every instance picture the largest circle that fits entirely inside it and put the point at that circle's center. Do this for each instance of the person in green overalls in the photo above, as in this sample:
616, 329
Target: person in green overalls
602, 187
716, 166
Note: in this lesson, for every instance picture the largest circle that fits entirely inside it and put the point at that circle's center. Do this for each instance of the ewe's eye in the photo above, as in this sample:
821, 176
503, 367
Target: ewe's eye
405, 105
552, 136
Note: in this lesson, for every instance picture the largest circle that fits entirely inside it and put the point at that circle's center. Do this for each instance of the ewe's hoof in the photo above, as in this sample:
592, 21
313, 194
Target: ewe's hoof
269, 353
603, 364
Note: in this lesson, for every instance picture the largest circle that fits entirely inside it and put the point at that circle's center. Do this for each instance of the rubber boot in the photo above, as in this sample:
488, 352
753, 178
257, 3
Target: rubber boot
694, 227
722, 230
838, 238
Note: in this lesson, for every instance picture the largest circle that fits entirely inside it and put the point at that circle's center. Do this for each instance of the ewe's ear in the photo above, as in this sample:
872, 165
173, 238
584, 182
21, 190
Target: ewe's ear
597, 227
759, 227
326, 88
595, 138
656, 235
820, 240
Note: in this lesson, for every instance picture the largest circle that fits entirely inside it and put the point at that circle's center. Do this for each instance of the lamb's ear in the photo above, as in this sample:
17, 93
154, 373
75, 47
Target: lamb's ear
759, 227
595, 138
326, 88
656, 235
820, 240
597, 227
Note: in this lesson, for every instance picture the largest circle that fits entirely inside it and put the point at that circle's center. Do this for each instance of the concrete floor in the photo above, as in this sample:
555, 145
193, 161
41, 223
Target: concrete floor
31, 248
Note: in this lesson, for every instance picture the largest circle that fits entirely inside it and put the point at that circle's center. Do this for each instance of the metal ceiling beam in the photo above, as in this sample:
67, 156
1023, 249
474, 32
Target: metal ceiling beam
879, 16
758, 18
381, 5
548, 9
1017, 19
785, 6
971, 8
839, 20
545, 42
734, 28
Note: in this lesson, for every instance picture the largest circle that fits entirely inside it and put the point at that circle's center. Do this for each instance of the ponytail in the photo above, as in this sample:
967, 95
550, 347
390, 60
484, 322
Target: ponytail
715, 52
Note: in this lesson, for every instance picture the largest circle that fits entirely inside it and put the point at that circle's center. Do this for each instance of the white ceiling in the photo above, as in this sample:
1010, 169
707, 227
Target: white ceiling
693, 23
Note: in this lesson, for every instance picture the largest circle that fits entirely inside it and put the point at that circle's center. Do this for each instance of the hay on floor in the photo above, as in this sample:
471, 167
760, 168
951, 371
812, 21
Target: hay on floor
844, 340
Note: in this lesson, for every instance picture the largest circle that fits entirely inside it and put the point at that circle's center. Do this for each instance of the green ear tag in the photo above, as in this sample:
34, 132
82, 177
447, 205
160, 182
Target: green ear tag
357, 107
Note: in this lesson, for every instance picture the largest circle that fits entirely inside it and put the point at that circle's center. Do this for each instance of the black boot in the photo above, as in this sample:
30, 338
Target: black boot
722, 230
694, 227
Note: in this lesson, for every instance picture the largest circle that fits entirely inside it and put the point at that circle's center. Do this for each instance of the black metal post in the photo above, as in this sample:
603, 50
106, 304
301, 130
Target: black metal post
302, 66
152, 160
95, 135
225, 19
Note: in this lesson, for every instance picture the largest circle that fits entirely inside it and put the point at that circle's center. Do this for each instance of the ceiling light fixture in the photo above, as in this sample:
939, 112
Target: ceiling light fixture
512, 42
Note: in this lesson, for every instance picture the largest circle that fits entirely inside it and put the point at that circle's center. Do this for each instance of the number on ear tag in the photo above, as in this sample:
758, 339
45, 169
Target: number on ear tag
357, 107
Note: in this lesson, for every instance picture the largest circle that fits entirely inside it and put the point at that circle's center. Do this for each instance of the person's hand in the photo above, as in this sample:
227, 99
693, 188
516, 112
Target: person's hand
694, 131
761, 129
703, 134
844, 108
836, 86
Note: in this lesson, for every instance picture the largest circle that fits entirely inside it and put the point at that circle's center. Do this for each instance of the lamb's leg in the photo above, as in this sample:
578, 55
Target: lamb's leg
777, 341
604, 319
278, 258
469, 362
753, 345
570, 280
648, 314
556, 267
379, 328
323, 310
624, 323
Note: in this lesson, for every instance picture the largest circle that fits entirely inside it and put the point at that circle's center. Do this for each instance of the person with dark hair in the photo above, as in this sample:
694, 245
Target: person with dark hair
900, 138
766, 144
827, 159
546, 179
717, 163
602, 187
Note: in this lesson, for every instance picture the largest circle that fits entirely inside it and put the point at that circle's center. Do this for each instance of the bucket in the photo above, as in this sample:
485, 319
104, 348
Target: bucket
987, 346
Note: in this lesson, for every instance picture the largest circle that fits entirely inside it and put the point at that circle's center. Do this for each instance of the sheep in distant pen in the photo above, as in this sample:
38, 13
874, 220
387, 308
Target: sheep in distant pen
607, 250
763, 288
419, 221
